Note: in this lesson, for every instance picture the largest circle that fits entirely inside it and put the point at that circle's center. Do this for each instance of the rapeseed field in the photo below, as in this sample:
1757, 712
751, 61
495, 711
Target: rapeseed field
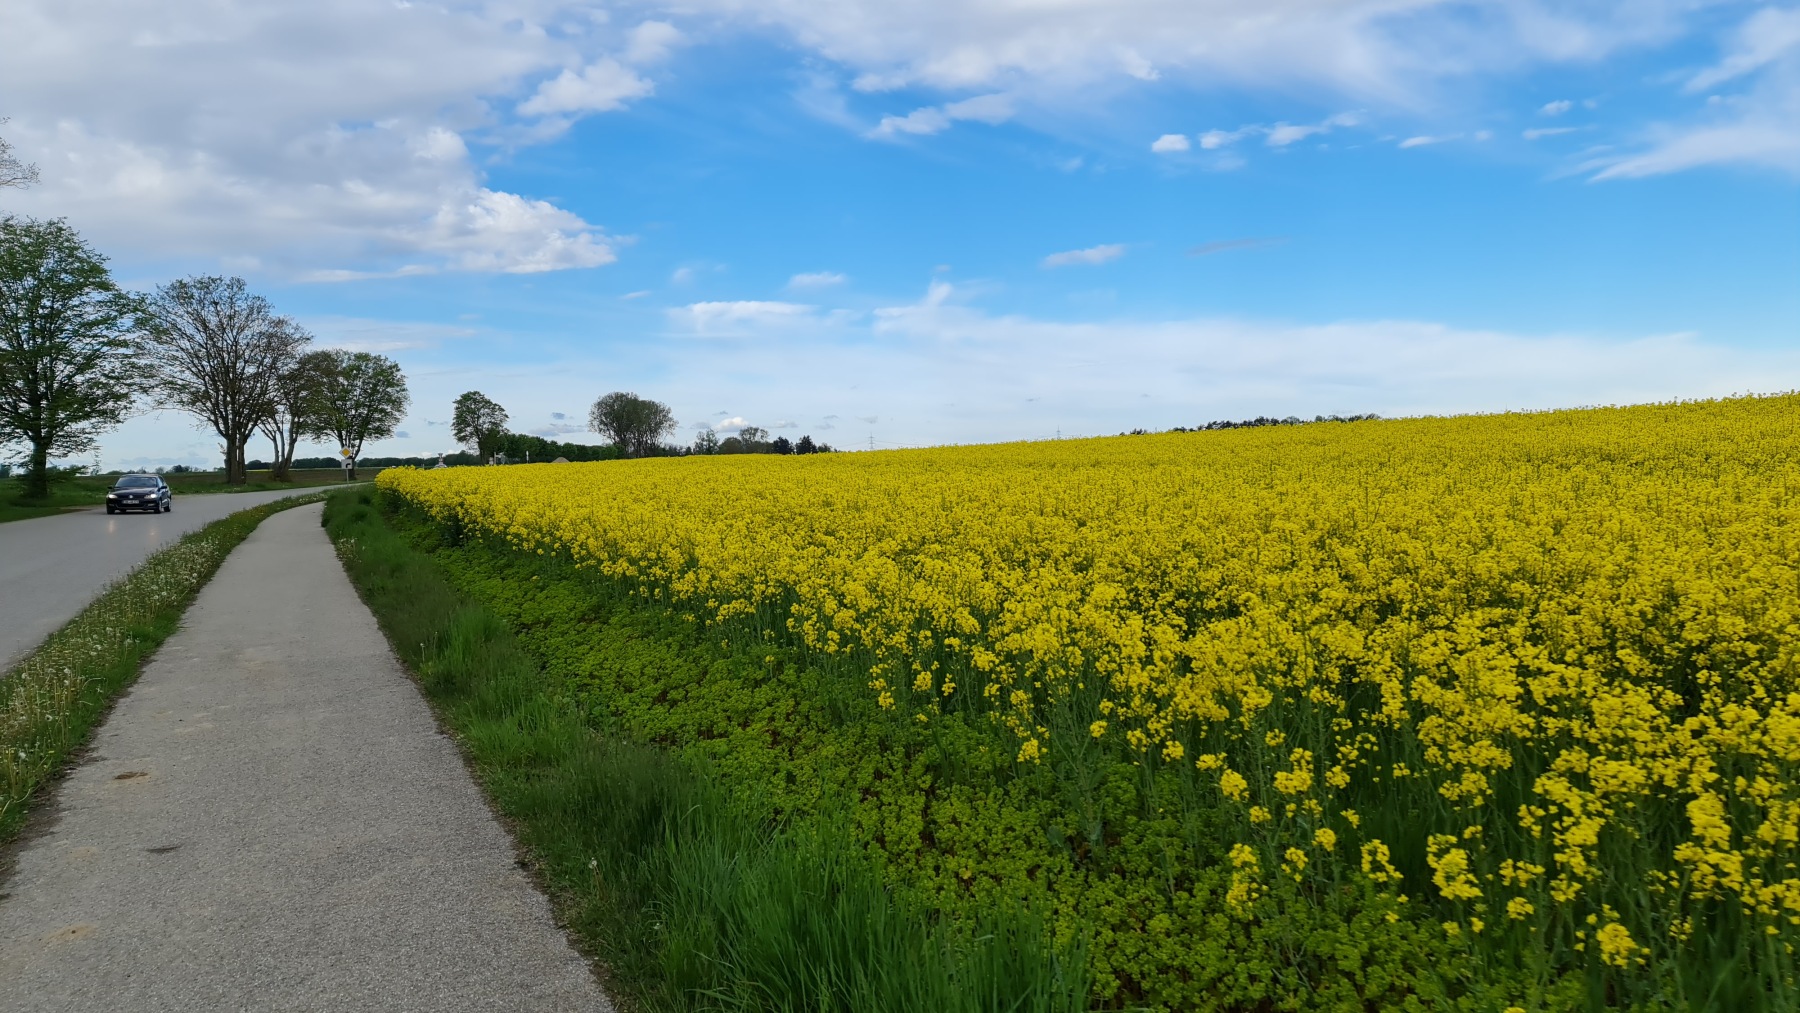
1494, 712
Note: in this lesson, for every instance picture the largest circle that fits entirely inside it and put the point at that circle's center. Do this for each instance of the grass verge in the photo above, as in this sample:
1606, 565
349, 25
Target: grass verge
51, 700
687, 904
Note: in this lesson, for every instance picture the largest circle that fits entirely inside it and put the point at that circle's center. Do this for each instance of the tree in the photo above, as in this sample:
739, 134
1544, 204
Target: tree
218, 351
13, 172
295, 411
805, 446
479, 422
636, 424
706, 442
362, 396
781, 445
755, 439
66, 361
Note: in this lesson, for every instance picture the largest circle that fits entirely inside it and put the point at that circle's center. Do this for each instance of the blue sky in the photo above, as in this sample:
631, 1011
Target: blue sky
949, 222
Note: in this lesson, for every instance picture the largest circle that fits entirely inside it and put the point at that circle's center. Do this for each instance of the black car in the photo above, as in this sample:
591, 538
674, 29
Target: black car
139, 492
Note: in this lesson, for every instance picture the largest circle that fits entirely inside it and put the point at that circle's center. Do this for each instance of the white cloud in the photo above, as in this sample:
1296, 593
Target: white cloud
991, 109
1091, 256
1557, 108
730, 425
651, 42
722, 319
1169, 143
328, 139
1425, 139
1215, 139
1377, 48
602, 86
1283, 134
816, 279
1278, 135
1768, 36
784, 424
1532, 135
926, 121
1759, 126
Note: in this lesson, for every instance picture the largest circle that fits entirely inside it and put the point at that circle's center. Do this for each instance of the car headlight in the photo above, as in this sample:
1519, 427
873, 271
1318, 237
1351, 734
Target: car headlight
112, 495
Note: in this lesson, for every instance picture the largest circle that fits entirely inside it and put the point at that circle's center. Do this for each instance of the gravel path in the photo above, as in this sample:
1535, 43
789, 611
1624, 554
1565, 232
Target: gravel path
52, 567
272, 821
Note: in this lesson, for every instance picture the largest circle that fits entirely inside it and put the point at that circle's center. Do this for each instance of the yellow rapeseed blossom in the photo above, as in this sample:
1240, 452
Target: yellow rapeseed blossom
1533, 633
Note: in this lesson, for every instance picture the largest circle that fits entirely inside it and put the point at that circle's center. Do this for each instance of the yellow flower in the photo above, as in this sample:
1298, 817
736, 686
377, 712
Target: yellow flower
1233, 786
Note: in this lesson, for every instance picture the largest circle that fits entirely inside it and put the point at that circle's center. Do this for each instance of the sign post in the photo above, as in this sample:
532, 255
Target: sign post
349, 462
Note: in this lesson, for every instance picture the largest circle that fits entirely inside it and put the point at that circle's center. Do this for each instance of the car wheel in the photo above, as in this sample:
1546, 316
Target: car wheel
112, 510
168, 505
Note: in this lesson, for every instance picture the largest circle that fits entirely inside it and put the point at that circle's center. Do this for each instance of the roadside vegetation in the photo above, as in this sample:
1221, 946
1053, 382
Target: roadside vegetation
51, 701
689, 899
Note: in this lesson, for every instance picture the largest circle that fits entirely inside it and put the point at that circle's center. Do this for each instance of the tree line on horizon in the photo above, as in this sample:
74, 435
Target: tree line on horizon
633, 426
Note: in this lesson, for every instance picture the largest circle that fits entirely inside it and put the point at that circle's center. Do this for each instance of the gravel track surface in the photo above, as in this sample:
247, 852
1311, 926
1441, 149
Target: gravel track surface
271, 820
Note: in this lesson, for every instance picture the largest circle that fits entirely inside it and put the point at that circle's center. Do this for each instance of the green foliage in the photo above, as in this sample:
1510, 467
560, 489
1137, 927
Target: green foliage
690, 899
478, 422
360, 396
521, 448
1129, 861
66, 365
635, 424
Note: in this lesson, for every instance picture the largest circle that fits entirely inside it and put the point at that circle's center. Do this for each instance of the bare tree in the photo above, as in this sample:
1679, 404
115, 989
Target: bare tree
636, 424
296, 410
362, 396
219, 352
13, 172
65, 358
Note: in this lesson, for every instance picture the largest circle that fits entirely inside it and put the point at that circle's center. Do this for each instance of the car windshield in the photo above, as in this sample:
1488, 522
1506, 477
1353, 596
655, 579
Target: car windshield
136, 482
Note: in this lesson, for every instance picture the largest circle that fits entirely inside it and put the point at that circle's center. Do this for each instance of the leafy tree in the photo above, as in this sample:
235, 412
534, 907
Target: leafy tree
805, 446
637, 425
65, 356
219, 352
706, 442
13, 172
362, 396
479, 422
781, 445
296, 411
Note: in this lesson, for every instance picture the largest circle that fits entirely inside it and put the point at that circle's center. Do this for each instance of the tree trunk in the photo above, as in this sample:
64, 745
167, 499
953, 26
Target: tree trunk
37, 480
234, 460
287, 456
278, 465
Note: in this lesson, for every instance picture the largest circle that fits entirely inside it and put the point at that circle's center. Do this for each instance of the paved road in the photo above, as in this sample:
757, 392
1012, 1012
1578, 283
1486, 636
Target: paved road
273, 822
51, 567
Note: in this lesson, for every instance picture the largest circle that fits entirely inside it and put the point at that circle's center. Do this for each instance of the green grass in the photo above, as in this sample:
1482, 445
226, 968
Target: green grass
51, 700
91, 491
687, 904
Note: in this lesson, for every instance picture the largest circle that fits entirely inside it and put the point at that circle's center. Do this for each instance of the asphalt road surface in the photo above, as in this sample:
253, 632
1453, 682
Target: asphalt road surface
52, 567
271, 820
